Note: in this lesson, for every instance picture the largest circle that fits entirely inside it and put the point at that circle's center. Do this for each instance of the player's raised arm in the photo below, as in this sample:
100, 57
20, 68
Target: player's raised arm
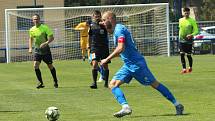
80, 26
119, 49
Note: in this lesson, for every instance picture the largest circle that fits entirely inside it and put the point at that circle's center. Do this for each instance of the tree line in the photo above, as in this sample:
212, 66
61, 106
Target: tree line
204, 9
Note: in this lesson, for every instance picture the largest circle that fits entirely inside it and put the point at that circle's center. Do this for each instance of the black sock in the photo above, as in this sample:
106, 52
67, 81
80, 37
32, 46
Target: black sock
106, 76
95, 74
53, 72
190, 59
183, 62
38, 74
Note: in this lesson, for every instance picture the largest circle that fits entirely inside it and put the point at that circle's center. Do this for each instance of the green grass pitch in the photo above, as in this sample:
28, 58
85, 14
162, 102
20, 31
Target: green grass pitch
21, 101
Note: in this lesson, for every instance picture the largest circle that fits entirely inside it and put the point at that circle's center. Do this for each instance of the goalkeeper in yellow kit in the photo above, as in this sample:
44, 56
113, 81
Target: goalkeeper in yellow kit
84, 28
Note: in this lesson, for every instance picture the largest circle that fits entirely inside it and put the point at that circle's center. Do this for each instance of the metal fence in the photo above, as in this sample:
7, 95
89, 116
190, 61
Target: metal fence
174, 44
2, 47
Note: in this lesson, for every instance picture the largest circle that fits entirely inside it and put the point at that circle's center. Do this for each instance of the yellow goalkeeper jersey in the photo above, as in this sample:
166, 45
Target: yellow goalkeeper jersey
83, 27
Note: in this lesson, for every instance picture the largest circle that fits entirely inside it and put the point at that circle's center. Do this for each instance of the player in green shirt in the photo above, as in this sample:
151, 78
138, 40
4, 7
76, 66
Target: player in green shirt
41, 35
187, 29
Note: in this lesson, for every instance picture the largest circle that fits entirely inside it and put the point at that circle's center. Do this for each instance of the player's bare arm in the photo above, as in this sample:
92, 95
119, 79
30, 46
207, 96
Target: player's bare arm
50, 39
30, 45
189, 36
82, 28
120, 48
79, 27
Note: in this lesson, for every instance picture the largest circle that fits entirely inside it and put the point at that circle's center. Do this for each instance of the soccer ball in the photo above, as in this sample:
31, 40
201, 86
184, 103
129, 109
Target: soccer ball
52, 113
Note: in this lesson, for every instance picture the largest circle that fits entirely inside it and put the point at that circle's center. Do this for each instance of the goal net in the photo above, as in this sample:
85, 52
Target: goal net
147, 22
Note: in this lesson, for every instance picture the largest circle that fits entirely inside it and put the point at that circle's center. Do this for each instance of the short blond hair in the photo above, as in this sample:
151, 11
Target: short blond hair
110, 14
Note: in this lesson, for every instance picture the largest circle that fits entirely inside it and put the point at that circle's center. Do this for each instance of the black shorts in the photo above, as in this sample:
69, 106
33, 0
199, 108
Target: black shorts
186, 48
99, 55
47, 58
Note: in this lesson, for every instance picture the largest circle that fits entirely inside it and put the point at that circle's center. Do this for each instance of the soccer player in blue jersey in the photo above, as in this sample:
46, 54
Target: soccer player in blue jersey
134, 66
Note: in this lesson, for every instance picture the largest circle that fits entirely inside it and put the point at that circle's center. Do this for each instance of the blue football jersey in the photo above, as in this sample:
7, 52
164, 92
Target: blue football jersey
131, 57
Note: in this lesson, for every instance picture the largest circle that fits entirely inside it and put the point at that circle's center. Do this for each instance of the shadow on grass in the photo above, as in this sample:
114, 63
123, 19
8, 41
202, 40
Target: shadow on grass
186, 114
10, 111
65, 87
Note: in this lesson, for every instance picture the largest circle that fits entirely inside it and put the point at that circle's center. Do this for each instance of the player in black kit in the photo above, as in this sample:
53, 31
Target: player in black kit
99, 48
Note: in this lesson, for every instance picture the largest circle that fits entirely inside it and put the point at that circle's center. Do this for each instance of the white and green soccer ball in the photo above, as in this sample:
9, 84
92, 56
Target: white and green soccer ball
52, 113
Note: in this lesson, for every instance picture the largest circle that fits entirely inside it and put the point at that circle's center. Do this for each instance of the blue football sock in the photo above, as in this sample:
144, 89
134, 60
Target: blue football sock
166, 93
101, 71
117, 92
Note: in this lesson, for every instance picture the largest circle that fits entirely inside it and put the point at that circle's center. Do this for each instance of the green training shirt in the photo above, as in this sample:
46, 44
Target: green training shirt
40, 35
186, 27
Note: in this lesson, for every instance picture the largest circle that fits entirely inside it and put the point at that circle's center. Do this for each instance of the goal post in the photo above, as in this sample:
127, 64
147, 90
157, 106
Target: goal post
148, 23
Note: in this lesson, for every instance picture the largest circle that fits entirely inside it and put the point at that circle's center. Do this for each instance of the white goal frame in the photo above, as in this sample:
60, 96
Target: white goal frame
9, 12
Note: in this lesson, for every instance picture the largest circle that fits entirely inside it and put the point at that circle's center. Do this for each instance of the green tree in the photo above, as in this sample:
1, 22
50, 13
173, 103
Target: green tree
207, 10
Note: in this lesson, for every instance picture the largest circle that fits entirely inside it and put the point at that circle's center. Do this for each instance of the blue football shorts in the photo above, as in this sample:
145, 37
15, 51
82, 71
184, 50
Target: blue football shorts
142, 74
